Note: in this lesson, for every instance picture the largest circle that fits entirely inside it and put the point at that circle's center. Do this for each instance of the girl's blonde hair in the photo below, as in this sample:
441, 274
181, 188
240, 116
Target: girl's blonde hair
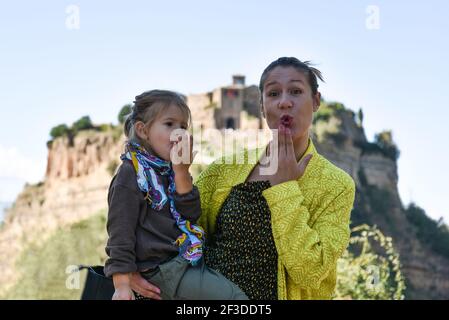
148, 106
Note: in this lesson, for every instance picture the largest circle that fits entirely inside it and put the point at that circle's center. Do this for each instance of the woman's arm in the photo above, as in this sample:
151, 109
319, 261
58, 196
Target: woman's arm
309, 252
146, 289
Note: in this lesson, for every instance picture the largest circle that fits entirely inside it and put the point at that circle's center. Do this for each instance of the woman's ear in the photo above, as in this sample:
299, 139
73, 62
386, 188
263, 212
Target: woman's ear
262, 111
316, 101
141, 130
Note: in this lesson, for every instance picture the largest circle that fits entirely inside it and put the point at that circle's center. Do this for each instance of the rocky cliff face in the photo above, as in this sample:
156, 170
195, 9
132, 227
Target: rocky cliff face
79, 172
75, 187
378, 203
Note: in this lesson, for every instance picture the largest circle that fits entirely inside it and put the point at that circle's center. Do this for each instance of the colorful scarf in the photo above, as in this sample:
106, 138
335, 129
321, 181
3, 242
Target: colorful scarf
148, 168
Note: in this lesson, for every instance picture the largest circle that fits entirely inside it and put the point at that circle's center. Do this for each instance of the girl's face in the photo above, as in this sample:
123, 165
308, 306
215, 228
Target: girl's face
287, 92
157, 135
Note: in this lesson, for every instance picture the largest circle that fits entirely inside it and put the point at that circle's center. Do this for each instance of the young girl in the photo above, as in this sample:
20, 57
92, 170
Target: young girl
153, 208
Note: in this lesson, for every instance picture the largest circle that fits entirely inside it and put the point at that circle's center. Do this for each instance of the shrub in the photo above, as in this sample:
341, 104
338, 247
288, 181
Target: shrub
365, 274
112, 167
124, 111
429, 231
104, 127
59, 131
384, 140
336, 106
83, 123
327, 110
43, 267
323, 113
389, 151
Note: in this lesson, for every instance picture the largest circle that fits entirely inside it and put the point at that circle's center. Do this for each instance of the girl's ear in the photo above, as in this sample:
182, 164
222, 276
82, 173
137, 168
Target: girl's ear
141, 130
316, 101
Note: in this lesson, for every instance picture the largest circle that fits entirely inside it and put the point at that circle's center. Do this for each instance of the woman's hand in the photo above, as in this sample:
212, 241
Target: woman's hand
288, 167
143, 287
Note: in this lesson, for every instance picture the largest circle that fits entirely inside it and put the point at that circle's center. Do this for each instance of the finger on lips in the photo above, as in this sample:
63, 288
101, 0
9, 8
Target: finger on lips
281, 135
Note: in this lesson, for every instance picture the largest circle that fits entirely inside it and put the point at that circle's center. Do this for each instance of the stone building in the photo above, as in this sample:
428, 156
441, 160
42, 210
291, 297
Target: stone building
235, 106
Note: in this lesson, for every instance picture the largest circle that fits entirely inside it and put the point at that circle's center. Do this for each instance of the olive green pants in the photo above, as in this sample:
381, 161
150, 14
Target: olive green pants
178, 280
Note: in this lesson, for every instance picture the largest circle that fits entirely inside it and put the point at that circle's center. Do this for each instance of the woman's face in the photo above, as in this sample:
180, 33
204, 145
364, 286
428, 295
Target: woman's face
287, 91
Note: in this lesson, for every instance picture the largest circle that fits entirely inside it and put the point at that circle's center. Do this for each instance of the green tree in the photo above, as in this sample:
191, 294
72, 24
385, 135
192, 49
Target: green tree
112, 166
429, 232
384, 138
337, 106
59, 131
83, 123
126, 109
385, 141
360, 117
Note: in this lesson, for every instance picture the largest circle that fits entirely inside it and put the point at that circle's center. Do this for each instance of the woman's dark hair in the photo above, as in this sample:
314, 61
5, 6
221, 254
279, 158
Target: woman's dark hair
304, 67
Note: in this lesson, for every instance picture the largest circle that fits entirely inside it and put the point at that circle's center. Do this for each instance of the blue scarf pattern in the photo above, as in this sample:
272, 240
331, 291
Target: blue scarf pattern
148, 168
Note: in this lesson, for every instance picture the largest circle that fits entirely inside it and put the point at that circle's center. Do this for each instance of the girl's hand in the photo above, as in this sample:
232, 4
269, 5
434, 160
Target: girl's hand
123, 293
288, 167
182, 154
143, 287
181, 163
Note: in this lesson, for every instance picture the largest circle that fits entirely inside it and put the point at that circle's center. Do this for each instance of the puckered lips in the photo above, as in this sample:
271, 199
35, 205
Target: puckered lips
286, 120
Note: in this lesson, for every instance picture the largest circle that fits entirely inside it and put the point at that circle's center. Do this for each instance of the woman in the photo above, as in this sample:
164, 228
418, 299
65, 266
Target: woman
277, 236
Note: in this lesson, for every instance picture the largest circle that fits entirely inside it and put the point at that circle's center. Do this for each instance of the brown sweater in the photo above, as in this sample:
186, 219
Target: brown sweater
140, 237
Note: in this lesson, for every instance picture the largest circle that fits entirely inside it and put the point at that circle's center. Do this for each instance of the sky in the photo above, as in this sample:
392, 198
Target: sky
61, 60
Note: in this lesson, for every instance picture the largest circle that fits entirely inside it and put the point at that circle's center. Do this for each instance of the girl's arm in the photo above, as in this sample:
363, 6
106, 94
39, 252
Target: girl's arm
183, 181
188, 204
123, 214
122, 287
186, 197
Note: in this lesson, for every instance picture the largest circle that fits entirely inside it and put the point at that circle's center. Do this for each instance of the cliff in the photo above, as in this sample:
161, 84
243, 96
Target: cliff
79, 171
343, 142
75, 187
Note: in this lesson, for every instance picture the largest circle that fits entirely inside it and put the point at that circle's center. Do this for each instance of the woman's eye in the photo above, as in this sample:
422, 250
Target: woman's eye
272, 93
296, 91
169, 124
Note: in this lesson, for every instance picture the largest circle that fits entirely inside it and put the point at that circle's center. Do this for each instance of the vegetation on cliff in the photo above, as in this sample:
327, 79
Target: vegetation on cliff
369, 269
46, 269
433, 233
327, 122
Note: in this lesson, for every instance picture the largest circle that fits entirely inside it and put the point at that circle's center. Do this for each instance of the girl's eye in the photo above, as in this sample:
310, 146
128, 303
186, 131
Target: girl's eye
296, 91
272, 93
169, 124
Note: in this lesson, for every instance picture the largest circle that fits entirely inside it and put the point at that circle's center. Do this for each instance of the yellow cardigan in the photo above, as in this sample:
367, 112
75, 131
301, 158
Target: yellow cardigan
309, 217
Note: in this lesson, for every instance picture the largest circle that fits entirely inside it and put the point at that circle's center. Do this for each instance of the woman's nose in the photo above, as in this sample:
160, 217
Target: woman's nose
285, 102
